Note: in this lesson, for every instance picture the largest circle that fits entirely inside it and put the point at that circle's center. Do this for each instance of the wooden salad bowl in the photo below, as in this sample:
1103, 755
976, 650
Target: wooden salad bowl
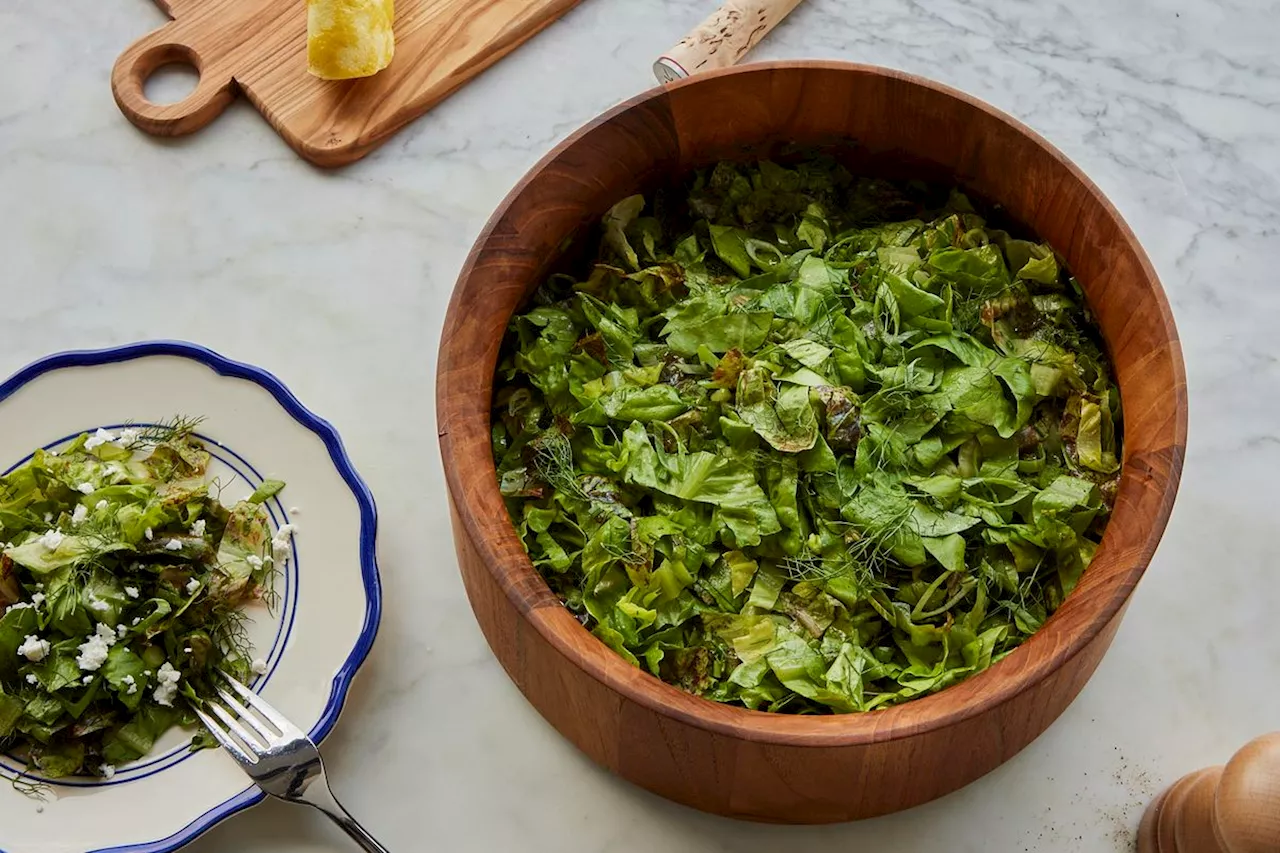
775, 767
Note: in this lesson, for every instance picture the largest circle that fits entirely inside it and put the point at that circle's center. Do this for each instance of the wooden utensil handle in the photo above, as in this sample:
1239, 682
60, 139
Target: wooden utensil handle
1232, 809
722, 39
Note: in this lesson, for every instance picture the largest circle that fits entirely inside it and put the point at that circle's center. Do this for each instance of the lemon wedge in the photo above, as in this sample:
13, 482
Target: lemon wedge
349, 38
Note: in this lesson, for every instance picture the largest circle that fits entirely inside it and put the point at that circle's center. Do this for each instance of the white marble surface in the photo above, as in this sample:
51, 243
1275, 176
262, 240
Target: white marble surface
338, 283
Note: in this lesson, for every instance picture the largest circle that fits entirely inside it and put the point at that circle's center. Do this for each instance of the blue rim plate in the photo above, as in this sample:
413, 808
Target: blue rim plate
314, 643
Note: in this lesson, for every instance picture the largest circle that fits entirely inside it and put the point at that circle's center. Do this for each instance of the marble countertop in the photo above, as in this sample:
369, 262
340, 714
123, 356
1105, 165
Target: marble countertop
338, 281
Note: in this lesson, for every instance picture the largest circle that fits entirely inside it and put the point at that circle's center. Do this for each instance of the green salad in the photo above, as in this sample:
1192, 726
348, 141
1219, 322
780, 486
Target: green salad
807, 442
122, 581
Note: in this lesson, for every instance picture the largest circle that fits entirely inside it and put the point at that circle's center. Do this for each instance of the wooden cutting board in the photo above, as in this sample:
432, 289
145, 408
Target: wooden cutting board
259, 47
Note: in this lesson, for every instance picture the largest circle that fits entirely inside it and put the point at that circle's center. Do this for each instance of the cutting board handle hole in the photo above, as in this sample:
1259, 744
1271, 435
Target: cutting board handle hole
172, 79
159, 103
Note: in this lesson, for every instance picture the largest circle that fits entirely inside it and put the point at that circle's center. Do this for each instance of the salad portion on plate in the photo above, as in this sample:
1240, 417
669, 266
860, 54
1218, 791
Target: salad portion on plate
123, 579
138, 555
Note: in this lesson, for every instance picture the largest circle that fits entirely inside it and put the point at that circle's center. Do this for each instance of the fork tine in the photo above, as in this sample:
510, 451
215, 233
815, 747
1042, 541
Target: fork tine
243, 715
235, 728
228, 743
260, 705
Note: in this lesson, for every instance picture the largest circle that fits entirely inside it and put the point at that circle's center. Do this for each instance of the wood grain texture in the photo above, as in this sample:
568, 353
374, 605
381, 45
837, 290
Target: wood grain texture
752, 764
259, 47
1231, 809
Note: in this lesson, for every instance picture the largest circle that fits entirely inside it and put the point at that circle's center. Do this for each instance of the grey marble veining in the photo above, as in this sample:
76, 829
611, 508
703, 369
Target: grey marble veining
338, 281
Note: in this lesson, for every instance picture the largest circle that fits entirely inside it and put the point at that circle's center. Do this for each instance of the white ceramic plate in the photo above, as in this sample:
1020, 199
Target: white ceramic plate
313, 642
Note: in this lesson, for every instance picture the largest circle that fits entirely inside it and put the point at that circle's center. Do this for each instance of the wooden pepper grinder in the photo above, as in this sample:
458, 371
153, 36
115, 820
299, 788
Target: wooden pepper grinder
1232, 809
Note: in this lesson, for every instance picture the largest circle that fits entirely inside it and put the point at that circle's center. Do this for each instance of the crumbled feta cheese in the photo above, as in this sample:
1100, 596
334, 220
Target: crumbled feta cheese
132, 684
40, 587
98, 439
37, 598
31, 678
129, 435
98, 605
100, 505
107, 771
293, 510
166, 685
131, 591
255, 562
51, 539
121, 630
149, 534
18, 605
136, 620
259, 666
186, 650
34, 649
88, 679
48, 518
146, 672
197, 529
81, 513
93, 651
173, 545
280, 544
85, 488
192, 586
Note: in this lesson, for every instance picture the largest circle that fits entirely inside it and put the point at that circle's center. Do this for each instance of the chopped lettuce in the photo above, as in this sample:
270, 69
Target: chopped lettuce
117, 561
805, 442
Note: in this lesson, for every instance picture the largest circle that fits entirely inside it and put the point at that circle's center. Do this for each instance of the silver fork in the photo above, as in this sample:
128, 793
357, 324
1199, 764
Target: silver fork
285, 762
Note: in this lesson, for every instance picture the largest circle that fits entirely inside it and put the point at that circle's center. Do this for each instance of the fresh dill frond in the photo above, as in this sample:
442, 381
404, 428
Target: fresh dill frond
870, 545
100, 528
174, 429
553, 462
100, 535
31, 787
267, 577
967, 315
627, 554
812, 568
228, 628
217, 487
881, 441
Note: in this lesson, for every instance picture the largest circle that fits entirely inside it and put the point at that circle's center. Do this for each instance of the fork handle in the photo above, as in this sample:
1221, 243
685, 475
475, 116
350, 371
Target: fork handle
357, 832
323, 800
